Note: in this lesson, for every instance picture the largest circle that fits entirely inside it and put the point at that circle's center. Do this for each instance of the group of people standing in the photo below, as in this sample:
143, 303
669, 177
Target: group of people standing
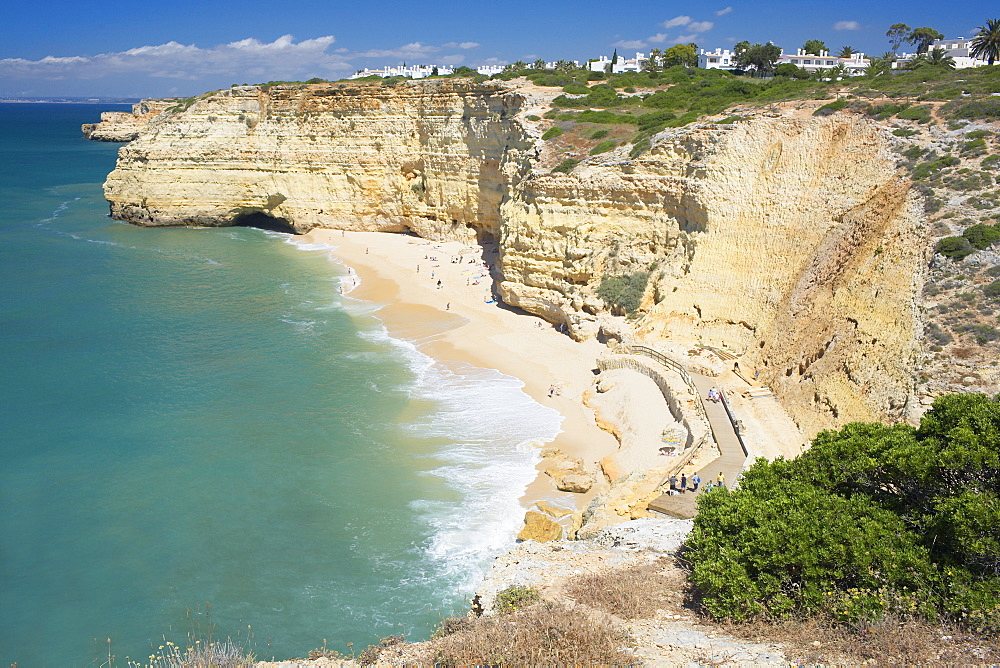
681, 485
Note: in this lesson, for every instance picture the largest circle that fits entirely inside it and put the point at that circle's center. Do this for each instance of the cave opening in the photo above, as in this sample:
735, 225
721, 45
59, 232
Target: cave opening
263, 221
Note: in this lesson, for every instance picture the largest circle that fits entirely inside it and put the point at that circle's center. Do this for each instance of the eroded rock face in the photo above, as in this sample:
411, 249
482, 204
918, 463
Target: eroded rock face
432, 157
791, 241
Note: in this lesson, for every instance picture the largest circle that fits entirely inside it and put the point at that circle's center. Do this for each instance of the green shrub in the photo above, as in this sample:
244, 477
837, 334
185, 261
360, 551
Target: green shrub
991, 162
599, 134
956, 248
872, 520
828, 109
932, 168
603, 147
624, 291
532, 117
992, 290
576, 89
974, 148
916, 113
640, 147
982, 236
515, 597
566, 166
552, 133
903, 132
975, 109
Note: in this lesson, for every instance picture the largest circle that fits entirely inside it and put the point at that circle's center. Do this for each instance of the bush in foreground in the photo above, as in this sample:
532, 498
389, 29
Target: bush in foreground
872, 520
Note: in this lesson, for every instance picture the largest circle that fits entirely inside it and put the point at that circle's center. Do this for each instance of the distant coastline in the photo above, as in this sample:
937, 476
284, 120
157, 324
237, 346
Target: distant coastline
70, 100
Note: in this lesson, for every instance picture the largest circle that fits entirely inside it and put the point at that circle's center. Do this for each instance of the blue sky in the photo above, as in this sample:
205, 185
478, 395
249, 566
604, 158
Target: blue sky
185, 47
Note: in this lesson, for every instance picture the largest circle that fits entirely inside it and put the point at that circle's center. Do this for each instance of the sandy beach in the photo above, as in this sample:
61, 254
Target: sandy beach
437, 294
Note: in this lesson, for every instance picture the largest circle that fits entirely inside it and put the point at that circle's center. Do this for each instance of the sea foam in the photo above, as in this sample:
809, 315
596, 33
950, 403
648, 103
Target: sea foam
489, 431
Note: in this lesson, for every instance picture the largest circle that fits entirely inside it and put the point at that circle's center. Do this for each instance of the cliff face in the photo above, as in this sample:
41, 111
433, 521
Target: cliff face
791, 241
124, 126
431, 157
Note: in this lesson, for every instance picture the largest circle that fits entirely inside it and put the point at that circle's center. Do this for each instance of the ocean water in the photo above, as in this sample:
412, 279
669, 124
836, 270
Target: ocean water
199, 436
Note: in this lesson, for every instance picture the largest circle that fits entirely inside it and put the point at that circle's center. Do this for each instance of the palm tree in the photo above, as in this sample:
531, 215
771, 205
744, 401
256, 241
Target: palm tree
986, 43
539, 64
939, 58
846, 52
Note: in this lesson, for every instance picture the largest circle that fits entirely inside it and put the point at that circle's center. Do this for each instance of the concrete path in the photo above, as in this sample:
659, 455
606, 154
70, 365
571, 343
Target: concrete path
729, 463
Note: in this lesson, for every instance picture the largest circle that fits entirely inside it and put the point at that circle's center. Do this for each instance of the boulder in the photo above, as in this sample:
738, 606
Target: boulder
539, 527
575, 483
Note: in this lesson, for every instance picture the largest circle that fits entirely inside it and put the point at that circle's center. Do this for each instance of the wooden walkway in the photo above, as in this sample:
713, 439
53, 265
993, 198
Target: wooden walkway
729, 463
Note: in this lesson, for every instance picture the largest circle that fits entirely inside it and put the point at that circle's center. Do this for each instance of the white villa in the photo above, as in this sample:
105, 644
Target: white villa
957, 48
856, 64
623, 64
720, 59
724, 59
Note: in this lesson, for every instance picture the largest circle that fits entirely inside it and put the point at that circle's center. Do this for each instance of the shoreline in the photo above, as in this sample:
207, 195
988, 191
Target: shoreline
436, 295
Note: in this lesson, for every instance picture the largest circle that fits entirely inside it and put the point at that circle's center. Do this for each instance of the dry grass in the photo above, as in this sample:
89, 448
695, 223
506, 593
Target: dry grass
543, 634
633, 592
892, 641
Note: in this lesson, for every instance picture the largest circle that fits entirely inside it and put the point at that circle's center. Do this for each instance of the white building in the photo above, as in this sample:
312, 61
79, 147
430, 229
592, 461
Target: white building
622, 65
856, 63
490, 70
412, 71
720, 59
724, 59
957, 48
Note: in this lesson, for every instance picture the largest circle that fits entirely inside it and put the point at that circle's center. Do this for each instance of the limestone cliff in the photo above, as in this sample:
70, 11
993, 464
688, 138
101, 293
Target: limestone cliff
125, 126
793, 242
432, 157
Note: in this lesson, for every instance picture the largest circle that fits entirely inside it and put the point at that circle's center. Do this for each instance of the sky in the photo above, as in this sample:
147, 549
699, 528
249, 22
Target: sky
53, 48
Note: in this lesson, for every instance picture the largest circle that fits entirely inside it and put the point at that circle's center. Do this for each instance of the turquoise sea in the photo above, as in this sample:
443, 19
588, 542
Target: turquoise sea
200, 435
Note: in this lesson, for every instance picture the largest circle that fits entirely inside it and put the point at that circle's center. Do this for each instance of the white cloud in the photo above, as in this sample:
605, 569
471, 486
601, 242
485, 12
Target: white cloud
684, 39
658, 38
676, 21
243, 60
700, 26
847, 25
723, 12
282, 58
629, 44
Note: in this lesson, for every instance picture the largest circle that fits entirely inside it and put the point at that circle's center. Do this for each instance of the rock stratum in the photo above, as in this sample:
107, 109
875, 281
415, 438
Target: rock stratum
796, 243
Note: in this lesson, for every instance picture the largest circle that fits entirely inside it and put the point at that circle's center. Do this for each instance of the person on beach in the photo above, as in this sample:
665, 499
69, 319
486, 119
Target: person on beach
673, 482
695, 481
722, 479
439, 284
708, 486
447, 307
552, 390
684, 483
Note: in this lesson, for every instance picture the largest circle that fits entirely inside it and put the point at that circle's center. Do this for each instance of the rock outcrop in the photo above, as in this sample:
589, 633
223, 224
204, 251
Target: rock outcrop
435, 158
122, 126
792, 242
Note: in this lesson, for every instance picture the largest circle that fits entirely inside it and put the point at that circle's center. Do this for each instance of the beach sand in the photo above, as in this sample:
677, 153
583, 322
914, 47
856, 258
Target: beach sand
454, 322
